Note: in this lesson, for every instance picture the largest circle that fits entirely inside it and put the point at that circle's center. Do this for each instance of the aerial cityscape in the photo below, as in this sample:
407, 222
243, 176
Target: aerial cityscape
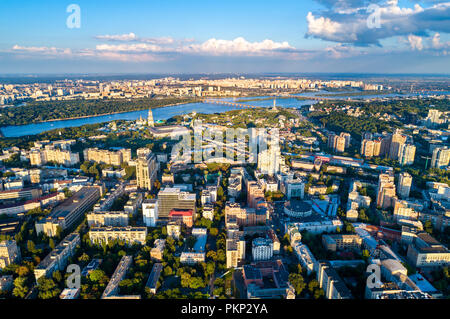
163, 167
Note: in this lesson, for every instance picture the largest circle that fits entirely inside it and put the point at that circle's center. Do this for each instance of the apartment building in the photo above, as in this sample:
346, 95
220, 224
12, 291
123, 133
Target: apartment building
386, 191
150, 212
108, 218
146, 171
158, 249
426, 251
406, 154
115, 158
441, 157
152, 282
112, 289
235, 249
128, 234
183, 217
404, 185
66, 214
337, 242
331, 283
58, 257
262, 249
9, 253
208, 211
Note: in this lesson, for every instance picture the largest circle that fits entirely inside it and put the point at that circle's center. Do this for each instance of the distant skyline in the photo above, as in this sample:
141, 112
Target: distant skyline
309, 36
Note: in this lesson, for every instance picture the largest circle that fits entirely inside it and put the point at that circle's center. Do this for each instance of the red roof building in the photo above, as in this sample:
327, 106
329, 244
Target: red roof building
185, 217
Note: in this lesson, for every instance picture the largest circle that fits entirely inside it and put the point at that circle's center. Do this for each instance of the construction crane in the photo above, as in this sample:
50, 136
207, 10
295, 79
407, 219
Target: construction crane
426, 162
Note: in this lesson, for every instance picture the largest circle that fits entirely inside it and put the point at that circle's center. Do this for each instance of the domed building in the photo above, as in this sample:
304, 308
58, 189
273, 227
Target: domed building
297, 208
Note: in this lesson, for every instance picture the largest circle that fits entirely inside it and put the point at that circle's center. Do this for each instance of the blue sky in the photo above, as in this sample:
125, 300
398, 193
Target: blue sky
228, 36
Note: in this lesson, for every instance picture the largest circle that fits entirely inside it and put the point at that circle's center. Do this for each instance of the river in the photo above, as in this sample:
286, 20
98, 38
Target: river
165, 113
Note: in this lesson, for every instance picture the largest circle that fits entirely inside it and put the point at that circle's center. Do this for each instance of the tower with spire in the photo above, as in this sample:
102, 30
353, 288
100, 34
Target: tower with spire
150, 120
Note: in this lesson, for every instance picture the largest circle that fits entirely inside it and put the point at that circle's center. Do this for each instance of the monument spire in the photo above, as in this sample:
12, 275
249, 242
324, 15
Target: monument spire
150, 120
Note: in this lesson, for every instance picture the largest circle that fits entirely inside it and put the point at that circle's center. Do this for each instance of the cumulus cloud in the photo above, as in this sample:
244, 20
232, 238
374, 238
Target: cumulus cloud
345, 21
132, 37
42, 50
118, 37
238, 46
415, 42
137, 47
167, 48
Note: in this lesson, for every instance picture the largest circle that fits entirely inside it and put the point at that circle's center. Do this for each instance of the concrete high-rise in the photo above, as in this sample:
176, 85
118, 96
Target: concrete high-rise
406, 155
146, 171
173, 198
386, 191
150, 212
441, 157
404, 185
396, 142
9, 253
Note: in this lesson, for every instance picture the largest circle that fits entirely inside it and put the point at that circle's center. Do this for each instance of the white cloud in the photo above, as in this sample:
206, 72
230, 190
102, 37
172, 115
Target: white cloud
238, 46
346, 21
325, 27
415, 42
137, 47
118, 37
42, 50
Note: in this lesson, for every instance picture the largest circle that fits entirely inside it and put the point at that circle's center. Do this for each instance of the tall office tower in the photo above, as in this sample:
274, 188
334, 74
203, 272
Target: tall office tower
406, 155
173, 198
269, 159
150, 120
146, 171
386, 191
367, 148
404, 185
397, 140
441, 157
9, 253
150, 212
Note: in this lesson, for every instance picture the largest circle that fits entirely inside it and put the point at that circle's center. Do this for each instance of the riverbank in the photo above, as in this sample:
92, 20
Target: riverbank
54, 111
105, 114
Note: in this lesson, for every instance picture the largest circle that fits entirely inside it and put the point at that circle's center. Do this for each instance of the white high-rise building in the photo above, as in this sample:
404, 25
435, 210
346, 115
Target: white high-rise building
269, 159
150, 212
146, 170
433, 118
404, 185
406, 155
441, 157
